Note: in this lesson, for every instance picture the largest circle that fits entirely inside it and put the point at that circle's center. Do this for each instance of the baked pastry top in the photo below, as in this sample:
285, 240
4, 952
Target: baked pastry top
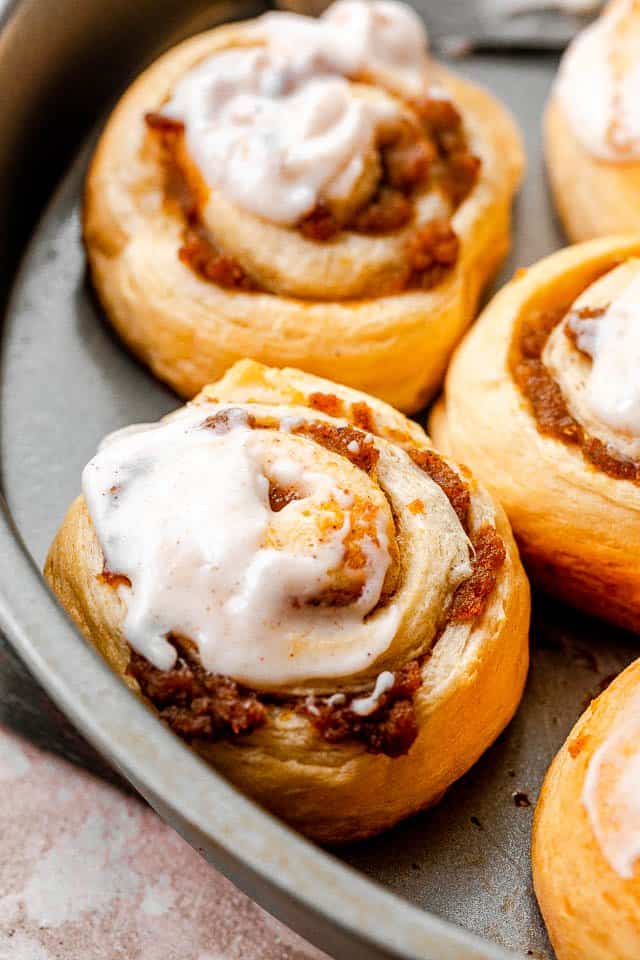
336, 127
592, 127
586, 840
542, 401
315, 192
578, 366
305, 591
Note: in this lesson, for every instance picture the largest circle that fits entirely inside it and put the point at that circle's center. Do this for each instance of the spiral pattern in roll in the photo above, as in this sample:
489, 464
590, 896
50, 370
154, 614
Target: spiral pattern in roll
317, 193
542, 401
290, 574
592, 128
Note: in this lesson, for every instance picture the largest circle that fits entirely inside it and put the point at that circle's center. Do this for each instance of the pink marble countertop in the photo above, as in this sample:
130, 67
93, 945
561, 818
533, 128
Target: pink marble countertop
87, 873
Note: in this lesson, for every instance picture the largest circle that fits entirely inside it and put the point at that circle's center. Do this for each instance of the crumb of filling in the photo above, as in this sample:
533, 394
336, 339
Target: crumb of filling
199, 705
548, 406
412, 155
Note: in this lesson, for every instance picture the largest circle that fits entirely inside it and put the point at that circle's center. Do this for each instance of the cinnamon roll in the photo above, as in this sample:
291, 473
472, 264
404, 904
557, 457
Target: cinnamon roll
326, 609
542, 401
586, 838
592, 127
310, 192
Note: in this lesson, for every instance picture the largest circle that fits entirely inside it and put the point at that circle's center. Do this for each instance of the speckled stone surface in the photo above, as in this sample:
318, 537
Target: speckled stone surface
87, 873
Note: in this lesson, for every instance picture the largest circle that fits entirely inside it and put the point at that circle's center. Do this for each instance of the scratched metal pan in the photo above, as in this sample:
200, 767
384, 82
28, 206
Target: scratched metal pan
450, 884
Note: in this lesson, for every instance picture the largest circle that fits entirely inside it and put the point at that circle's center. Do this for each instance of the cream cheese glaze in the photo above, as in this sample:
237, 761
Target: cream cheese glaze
277, 127
183, 511
598, 83
365, 706
613, 343
611, 793
600, 381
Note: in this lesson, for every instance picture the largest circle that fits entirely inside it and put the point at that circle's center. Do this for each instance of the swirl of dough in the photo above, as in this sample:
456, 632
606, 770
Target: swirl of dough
311, 191
598, 83
296, 581
592, 127
542, 401
593, 355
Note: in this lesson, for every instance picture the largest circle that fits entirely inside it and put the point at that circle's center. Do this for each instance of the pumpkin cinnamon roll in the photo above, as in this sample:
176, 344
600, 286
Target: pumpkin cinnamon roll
542, 401
312, 192
327, 610
586, 839
592, 127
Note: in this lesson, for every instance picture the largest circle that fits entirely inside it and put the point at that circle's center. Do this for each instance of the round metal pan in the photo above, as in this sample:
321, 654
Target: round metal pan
65, 381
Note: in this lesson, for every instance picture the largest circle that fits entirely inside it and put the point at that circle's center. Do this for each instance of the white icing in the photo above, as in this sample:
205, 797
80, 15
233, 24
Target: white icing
364, 706
586, 332
336, 700
383, 37
312, 706
598, 86
276, 127
611, 793
288, 472
613, 341
183, 511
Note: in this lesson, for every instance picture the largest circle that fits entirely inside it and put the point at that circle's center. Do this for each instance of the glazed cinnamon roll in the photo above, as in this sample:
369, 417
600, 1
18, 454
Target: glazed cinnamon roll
586, 839
592, 127
542, 400
310, 192
326, 609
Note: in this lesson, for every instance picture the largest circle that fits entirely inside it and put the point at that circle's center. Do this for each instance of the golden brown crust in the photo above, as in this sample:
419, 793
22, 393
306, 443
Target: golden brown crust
470, 681
590, 911
190, 330
594, 197
577, 526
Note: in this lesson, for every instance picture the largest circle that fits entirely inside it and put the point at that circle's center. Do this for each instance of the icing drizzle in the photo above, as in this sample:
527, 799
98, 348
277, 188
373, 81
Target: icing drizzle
270, 591
277, 127
598, 83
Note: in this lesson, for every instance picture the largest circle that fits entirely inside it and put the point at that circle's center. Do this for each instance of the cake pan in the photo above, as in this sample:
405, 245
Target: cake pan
450, 884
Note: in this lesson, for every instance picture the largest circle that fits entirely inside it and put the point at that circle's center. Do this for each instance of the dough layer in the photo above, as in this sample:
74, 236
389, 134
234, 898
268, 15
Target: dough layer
471, 673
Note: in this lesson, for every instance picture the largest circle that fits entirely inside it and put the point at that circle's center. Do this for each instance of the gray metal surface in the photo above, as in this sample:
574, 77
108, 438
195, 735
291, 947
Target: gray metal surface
65, 381
458, 26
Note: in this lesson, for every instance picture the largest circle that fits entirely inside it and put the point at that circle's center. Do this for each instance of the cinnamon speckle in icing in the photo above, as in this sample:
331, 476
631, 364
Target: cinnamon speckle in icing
612, 340
277, 126
577, 366
227, 570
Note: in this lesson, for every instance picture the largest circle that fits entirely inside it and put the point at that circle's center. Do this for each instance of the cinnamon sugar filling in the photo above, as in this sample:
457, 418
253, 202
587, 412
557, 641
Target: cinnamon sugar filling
201, 706
548, 405
197, 705
412, 157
